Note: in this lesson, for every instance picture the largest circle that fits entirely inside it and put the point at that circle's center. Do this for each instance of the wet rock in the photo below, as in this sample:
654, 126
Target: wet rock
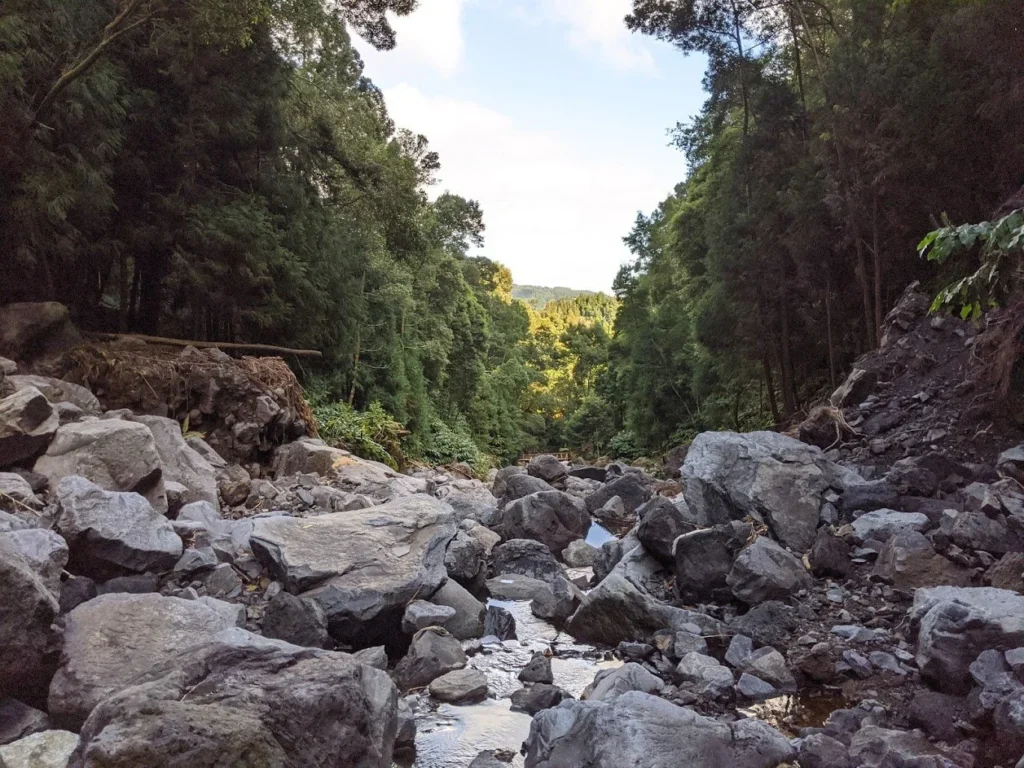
549, 469
46, 749
111, 533
296, 621
639, 729
538, 697
829, 555
704, 558
579, 554
955, 624
631, 490
526, 557
420, 614
623, 606
551, 517
364, 566
468, 619
112, 638
499, 623
874, 747
18, 720
769, 665
460, 686
883, 524
537, 670
765, 571
766, 475
433, 652
27, 425
908, 561
705, 676
609, 684
661, 523
240, 699
518, 486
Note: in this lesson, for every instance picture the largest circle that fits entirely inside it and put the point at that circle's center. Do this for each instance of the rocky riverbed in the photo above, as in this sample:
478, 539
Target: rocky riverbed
163, 604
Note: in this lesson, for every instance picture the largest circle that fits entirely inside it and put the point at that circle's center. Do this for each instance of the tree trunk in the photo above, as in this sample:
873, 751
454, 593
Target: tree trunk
788, 386
769, 381
878, 269
828, 328
865, 289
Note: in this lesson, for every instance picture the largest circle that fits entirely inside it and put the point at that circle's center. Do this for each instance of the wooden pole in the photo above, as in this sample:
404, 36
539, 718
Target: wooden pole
252, 349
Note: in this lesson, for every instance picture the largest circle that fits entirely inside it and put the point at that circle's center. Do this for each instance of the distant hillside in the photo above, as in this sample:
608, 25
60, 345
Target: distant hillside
538, 296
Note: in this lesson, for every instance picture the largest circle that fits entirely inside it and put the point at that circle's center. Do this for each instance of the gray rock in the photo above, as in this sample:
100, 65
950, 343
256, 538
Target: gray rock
420, 614
500, 483
537, 670
1008, 724
769, 665
514, 586
609, 684
819, 750
955, 624
362, 566
538, 697
867, 496
59, 391
579, 554
765, 571
729, 476
829, 555
551, 517
685, 642
376, 657
15, 488
46, 749
433, 652
661, 523
549, 469
874, 747
112, 638
613, 515
488, 759
937, 714
296, 620
499, 623
705, 676
975, 530
110, 533
45, 552
623, 606
308, 456
18, 720
239, 699
557, 601
631, 490
908, 561
755, 689
467, 621
704, 558
611, 552
857, 663
27, 425
638, 729
464, 559
526, 557
181, 463
516, 486
883, 524
460, 686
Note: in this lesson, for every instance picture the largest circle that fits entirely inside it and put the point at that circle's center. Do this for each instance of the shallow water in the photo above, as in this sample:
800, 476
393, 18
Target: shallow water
598, 535
792, 712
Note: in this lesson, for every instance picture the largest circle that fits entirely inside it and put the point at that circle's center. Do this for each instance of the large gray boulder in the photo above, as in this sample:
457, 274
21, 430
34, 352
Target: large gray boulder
637, 729
29, 330
43, 550
908, 561
111, 534
765, 571
553, 518
45, 749
771, 477
624, 606
883, 524
630, 488
609, 684
468, 620
549, 469
500, 483
955, 624
704, 558
115, 455
27, 425
307, 455
516, 486
525, 557
242, 700
661, 523
296, 620
182, 463
59, 391
362, 566
112, 638
28, 608
433, 652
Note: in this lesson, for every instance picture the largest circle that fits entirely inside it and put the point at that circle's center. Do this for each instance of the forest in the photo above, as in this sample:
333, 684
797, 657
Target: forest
225, 171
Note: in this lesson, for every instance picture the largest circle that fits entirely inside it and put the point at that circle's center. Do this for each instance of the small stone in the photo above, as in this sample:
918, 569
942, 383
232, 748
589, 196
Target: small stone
740, 647
755, 688
538, 697
859, 665
420, 614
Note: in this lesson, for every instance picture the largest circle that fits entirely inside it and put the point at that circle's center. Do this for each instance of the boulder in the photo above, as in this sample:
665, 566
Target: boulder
765, 571
307, 455
637, 729
595, 474
613, 515
513, 586
611, 552
774, 478
867, 496
362, 566
537, 698
557, 601
704, 559
858, 385
630, 488
955, 624
1008, 572
433, 652
239, 699
579, 554
420, 614
45, 552
875, 747
115, 455
28, 608
467, 619
537, 670
46, 749
526, 557
829, 555
470, 499
908, 561
549, 469
976, 530
882, 524
499, 623
30, 330
661, 523
112, 638
609, 684
110, 533
296, 620
14, 491
501, 477
819, 750
704, 676
181, 463
460, 686
768, 623
18, 720
624, 607
60, 391
464, 558
551, 517
516, 486
27, 425
769, 665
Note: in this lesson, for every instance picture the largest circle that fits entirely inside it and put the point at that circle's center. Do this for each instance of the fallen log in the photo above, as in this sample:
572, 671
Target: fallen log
226, 346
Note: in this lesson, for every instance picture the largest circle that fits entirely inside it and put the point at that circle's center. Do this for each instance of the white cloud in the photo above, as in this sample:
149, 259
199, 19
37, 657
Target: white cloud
555, 214
431, 35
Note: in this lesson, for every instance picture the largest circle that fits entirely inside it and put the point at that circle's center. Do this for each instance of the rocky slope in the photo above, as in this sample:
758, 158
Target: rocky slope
162, 605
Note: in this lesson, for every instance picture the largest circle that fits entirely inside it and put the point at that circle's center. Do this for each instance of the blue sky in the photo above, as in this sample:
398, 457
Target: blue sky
552, 115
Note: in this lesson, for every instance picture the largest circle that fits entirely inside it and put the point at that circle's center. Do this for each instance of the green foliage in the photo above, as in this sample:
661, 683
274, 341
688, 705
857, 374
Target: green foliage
539, 297
1002, 245
371, 434
626, 445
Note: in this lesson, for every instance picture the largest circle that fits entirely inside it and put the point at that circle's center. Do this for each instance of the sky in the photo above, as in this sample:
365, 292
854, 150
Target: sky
552, 115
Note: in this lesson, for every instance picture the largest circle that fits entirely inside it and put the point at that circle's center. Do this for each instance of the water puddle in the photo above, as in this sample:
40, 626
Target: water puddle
598, 535
803, 710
